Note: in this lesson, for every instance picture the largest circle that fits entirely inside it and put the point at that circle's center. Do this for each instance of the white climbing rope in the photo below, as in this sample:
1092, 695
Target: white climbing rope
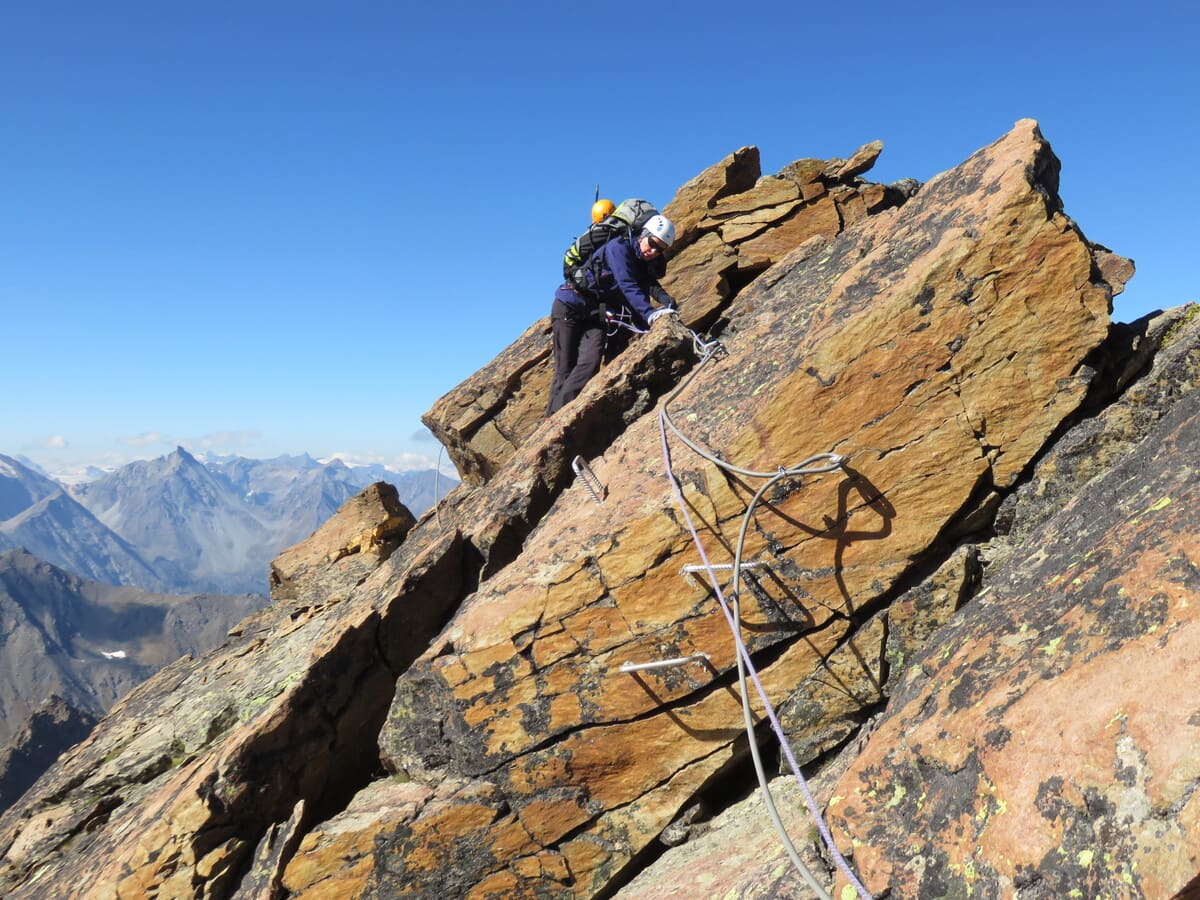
615, 321
819, 463
437, 486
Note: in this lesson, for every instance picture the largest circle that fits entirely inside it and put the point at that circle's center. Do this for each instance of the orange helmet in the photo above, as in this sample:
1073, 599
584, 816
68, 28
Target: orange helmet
601, 210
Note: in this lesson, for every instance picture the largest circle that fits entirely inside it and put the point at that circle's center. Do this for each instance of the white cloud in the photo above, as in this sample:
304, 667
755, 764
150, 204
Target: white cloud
145, 439
226, 441
53, 442
223, 440
399, 462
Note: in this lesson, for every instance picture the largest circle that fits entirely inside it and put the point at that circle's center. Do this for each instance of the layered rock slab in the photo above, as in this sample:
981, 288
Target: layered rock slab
1153, 364
937, 347
1046, 740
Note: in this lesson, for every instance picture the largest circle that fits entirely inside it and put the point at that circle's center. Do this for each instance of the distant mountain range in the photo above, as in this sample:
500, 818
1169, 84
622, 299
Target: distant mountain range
177, 525
103, 582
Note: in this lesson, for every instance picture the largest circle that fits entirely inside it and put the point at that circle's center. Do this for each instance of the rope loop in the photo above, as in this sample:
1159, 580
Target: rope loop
819, 463
707, 349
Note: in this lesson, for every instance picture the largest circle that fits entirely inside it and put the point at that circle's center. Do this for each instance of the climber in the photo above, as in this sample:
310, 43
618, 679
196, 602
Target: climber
621, 276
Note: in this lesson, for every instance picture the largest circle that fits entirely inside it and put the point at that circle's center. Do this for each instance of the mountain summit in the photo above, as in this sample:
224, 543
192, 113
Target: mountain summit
893, 506
193, 525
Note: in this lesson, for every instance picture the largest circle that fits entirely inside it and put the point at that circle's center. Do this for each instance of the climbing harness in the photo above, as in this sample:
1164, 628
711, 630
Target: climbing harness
730, 606
615, 321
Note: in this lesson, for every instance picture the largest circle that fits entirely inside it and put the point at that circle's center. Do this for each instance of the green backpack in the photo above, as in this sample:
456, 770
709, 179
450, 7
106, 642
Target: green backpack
627, 219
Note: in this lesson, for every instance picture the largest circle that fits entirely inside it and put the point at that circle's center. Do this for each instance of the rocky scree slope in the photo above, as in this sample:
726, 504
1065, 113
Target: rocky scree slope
438, 708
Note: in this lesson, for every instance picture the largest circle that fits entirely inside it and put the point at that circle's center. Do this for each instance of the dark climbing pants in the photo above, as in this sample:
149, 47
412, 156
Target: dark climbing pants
578, 350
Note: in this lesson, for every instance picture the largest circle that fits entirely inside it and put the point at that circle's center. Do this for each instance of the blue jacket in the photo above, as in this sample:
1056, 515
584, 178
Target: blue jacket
625, 279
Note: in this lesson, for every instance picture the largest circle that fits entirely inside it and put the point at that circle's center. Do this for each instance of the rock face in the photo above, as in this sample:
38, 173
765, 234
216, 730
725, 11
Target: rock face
909, 348
1096, 469
449, 711
1078, 652
1083, 657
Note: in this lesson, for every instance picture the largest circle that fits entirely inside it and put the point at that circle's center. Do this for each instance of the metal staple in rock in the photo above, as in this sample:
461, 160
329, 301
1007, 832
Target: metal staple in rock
588, 477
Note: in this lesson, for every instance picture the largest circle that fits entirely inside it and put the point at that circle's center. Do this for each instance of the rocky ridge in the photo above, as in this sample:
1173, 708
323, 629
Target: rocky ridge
439, 708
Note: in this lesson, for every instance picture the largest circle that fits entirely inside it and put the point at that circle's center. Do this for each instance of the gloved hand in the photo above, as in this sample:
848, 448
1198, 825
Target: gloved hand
661, 297
659, 313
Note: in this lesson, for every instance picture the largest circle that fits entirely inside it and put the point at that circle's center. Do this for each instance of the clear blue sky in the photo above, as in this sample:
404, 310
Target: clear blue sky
276, 227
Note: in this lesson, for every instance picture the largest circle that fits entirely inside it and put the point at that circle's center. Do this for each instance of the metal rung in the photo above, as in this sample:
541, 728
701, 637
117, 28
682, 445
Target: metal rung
663, 663
721, 567
588, 477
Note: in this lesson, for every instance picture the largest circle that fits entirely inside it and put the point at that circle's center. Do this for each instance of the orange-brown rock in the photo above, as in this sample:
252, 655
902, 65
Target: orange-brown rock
484, 420
861, 161
734, 854
1047, 739
373, 522
736, 173
335, 858
937, 346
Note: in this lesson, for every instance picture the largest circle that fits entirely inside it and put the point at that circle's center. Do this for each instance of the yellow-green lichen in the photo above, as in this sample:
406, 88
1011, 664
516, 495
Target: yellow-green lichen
1179, 324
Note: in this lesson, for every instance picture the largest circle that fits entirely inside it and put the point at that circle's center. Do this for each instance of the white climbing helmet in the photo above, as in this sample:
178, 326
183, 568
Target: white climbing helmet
660, 227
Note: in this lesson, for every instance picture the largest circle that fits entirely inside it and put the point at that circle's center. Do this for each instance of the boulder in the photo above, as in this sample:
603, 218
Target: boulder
373, 522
